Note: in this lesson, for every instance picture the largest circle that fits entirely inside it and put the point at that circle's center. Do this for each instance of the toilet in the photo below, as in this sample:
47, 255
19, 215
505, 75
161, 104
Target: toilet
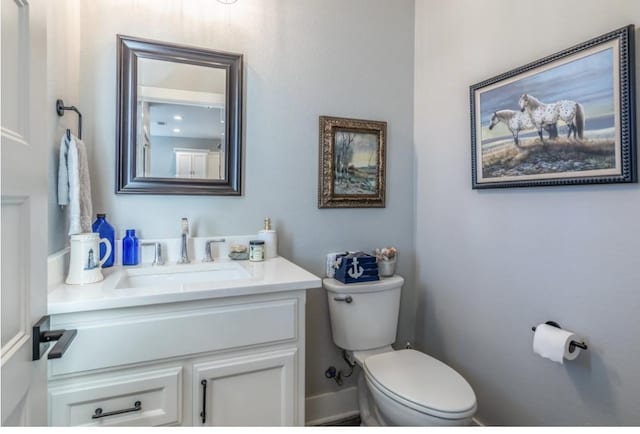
396, 388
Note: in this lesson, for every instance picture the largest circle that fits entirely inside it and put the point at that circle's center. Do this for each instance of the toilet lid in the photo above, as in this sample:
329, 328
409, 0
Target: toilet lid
422, 383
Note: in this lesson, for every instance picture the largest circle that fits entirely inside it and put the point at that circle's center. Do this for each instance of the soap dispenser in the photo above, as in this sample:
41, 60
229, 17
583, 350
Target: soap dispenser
270, 238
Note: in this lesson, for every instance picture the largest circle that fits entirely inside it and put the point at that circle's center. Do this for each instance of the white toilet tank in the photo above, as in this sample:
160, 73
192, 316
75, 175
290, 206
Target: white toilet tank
364, 316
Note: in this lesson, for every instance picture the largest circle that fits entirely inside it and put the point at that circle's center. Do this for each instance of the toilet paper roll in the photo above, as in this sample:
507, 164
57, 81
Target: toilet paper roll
553, 343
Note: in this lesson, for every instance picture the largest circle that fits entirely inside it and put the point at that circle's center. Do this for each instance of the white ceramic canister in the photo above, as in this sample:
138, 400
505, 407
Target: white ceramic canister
85, 262
270, 238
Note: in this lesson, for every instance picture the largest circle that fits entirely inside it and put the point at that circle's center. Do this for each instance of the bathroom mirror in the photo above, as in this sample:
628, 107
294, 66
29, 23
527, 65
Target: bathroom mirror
179, 119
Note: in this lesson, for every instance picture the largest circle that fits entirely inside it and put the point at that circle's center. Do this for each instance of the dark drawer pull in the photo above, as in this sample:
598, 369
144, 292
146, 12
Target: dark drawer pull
203, 413
137, 406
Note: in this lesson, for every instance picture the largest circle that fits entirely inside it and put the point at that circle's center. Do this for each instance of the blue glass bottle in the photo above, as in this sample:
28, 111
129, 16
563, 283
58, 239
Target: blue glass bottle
102, 226
130, 248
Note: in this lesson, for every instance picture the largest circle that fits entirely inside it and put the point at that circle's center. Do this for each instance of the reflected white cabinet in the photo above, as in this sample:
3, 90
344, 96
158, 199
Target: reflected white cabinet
145, 365
198, 164
191, 164
214, 165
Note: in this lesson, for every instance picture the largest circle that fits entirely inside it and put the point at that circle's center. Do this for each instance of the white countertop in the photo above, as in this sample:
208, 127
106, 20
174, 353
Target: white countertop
272, 275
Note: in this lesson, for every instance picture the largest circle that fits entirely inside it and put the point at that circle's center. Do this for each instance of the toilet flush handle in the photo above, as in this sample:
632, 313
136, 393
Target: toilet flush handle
347, 299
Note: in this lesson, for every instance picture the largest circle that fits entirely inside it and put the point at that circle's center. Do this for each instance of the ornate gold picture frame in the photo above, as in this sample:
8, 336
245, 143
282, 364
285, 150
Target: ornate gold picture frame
352, 163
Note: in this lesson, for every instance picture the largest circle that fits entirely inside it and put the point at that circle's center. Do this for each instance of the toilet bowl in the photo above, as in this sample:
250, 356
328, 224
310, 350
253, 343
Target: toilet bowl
407, 387
404, 387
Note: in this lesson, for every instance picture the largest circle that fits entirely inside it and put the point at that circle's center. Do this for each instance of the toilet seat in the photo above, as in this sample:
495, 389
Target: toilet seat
422, 383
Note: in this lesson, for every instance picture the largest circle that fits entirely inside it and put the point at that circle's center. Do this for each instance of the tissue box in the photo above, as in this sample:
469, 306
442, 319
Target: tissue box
356, 267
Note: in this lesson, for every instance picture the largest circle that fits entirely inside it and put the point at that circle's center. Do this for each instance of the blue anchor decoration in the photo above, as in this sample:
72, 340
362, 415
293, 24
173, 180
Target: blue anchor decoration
356, 267
357, 270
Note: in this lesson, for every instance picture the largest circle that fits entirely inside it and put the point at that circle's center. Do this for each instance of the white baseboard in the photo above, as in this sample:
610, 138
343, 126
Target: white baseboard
331, 407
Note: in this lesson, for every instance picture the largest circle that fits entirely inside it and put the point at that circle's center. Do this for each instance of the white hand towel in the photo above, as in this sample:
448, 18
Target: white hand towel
63, 173
80, 205
86, 204
74, 187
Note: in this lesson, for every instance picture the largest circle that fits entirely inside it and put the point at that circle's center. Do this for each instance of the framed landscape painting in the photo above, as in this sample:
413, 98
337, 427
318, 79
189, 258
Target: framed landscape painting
566, 119
352, 163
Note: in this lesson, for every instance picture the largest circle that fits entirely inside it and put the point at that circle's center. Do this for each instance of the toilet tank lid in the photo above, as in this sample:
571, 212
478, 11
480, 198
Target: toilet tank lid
384, 284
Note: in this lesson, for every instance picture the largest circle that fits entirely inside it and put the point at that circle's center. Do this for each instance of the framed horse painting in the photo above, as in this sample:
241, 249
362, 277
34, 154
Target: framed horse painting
352, 163
563, 120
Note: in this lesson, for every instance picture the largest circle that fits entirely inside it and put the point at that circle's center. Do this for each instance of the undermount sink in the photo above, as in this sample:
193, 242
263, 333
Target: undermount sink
180, 275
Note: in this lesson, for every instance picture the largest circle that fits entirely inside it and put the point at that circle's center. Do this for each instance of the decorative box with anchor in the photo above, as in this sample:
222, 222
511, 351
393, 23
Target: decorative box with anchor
356, 267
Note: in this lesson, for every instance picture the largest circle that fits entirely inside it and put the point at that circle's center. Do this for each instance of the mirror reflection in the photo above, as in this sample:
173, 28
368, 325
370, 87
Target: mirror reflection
181, 120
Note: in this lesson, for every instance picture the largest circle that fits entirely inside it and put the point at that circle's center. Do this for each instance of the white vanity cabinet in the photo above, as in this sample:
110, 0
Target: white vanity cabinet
191, 164
228, 361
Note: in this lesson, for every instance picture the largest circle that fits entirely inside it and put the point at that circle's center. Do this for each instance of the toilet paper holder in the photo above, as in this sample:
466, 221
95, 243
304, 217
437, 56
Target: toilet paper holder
572, 344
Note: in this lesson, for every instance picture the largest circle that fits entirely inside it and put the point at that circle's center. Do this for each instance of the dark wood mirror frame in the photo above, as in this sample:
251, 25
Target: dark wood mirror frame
127, 182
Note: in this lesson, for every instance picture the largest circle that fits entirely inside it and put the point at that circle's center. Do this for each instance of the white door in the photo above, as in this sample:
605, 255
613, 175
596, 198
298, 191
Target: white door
183, 165
198, 165
24, 209
255, 390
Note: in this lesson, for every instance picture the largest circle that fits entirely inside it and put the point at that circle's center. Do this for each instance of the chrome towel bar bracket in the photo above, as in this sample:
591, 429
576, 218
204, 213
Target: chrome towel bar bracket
61, 108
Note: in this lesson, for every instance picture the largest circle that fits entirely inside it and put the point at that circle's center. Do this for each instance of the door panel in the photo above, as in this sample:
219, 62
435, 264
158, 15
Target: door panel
24, 208
15, 27
15, 291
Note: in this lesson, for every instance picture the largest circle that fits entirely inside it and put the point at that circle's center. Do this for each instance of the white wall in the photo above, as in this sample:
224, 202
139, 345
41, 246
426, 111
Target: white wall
303, 59
493, 263
63, 69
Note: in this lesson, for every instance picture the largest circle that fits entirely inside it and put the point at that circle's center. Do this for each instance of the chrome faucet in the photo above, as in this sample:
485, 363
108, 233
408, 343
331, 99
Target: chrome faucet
184, 254
157, 259
207, 249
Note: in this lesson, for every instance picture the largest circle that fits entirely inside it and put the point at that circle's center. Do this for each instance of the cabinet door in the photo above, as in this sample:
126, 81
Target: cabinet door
213, 165
183, 165
253, 390
198, 165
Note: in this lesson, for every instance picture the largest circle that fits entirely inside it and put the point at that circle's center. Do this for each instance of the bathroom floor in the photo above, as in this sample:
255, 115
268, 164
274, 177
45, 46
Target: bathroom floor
352, 421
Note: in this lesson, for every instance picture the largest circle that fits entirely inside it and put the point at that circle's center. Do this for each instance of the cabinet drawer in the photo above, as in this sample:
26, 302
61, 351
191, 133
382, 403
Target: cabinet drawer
158, 392
135, 338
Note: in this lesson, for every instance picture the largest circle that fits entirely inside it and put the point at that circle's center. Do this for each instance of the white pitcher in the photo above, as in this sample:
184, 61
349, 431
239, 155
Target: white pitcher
85, 263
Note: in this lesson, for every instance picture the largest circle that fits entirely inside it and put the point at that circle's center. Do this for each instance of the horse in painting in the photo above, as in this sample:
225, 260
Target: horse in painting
517, 121
570, 112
